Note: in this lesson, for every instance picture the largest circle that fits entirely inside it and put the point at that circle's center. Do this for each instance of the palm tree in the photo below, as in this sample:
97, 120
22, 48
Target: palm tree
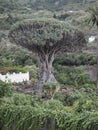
94, 21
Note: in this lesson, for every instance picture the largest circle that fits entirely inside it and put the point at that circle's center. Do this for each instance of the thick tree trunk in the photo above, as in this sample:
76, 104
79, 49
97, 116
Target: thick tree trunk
46, 71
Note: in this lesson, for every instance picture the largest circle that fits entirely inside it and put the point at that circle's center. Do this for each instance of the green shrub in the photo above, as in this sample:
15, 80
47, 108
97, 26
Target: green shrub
89, 86
22, 99
74, 59
71, 97
5, 89
18, 99
33, 71
40, 118
59, 96
85, 105
51, 88
81, 96
73, 77
53, 104
16, 69
4, 62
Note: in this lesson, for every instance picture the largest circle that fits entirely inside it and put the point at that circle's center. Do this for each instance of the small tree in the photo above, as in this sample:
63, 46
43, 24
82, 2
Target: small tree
46, 37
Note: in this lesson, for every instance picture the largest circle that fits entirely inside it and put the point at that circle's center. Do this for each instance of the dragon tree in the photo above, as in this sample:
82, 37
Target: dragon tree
45, 38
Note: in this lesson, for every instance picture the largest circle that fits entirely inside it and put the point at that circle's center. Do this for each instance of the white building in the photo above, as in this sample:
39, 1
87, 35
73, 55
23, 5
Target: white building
91, 39
15, 77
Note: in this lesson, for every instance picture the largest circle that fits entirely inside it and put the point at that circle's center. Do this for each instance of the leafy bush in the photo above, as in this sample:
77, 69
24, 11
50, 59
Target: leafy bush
74, 59
82, 95
21, 112
40, 118
13, 69
22, 99
53, 104
73, 77
89, 86
59, 96
85, 105
51, 88
5, 89
4, 63
71, 97
34, 72
13, 55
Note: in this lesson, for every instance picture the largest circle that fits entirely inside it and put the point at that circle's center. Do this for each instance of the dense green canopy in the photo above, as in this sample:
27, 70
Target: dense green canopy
48, 33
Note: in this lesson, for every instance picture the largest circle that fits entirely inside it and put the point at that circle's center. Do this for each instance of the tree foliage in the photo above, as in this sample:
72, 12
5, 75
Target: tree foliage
48, 34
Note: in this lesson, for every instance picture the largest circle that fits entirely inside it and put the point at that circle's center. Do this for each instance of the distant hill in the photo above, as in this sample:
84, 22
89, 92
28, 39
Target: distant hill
6, 5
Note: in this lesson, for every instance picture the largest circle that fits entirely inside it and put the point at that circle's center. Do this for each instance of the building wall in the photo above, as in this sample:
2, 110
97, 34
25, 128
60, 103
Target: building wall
15, 77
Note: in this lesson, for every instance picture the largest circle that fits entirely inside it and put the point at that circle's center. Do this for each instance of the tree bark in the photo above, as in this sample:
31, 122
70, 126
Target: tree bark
46, 71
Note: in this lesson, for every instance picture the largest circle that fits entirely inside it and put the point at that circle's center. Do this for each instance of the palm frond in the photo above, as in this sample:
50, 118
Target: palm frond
94, 15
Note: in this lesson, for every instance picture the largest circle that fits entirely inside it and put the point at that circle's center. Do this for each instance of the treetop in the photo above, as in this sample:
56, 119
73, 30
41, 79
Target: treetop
43, 32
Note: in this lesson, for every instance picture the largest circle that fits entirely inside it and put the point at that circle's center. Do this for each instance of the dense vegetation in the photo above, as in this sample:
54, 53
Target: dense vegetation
72, 102
75, 110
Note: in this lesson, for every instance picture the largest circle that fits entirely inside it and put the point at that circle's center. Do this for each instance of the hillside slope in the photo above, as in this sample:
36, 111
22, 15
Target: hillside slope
6, 5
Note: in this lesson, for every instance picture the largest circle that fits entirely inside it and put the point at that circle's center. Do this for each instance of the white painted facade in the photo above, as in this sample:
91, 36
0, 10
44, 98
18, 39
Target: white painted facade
91, 38
15, 77
70, 11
